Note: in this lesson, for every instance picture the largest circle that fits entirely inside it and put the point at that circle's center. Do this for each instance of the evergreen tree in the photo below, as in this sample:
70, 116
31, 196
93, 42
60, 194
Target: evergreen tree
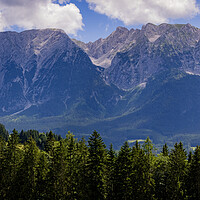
165, 150
71, 170
13, 158
123, 168
42, 171
141, 177
96, 167
57, 186
27, 175
50, 143
110, 173
81, 178
177, 173
2, 164
193, 183
3, 132
161, 176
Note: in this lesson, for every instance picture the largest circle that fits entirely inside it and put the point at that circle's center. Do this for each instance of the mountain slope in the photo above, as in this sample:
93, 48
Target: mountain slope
150, 89
44, 73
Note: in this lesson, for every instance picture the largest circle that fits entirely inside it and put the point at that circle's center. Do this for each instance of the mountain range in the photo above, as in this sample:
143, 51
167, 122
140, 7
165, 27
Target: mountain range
130, 85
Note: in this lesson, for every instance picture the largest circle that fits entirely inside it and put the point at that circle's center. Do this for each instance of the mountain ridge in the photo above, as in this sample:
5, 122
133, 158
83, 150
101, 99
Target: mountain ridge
150, 88
141, 53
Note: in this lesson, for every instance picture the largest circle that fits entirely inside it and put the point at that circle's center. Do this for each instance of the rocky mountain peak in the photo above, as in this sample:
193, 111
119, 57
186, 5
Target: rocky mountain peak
121, 30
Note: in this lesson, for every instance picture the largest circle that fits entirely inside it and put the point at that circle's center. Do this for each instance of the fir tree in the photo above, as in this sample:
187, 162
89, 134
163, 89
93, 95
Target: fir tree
123, 167
177, 173
96, 167
193, 183
165, 150
42, 171
13, 160
57, 185
27, 175
110, 173
141, 177
81, 178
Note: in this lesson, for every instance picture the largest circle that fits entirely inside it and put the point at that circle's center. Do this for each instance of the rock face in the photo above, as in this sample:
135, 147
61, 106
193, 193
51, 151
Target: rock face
133, 56
158, 48
44, 72
102, 51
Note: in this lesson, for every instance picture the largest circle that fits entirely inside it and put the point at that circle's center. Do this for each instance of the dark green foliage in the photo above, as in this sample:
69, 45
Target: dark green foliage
193, 183
122, 173
165, 150
3, 132
110, 172
96, 167
71, 169
160, 177
57, 174
177, 173
27, 174
42, 171
81, 178
50, 143
40, 138
141, 178
11, 163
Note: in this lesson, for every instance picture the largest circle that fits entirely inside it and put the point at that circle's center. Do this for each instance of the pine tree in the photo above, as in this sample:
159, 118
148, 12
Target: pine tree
2, 164
81, 178
13, 158
165, 150
193, 183
123, 167
50, 143
3, 132
177, 173
96, 167
56, 177
42, 171
141, 177
161, 176
110, 173
71, 170
27, 175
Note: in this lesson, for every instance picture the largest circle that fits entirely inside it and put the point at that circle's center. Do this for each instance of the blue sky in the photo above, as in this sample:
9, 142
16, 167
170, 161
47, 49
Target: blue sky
88, 20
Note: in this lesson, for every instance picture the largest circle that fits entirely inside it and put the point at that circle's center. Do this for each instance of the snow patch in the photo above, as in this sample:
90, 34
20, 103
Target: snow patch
192, 73
142, 85
154, 38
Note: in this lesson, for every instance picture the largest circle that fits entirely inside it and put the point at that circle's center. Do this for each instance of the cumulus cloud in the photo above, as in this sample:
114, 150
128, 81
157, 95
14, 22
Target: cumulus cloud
63, 1
29, 14
144, 11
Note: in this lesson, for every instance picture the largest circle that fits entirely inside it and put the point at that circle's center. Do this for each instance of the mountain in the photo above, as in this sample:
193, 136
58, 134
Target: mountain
145, 83
44, 73
136, 55
102, 51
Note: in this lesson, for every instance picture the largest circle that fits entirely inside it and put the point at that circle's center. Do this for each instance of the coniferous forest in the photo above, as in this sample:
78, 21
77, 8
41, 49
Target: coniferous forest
37, 166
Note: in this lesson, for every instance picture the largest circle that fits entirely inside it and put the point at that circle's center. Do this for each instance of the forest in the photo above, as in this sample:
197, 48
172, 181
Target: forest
36, 166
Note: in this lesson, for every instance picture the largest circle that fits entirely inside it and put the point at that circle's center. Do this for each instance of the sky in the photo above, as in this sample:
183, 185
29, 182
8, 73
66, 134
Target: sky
89, 20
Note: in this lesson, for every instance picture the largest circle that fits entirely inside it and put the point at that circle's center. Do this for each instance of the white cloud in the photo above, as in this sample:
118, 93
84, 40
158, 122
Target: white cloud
63, 1
29, 14
144, 11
